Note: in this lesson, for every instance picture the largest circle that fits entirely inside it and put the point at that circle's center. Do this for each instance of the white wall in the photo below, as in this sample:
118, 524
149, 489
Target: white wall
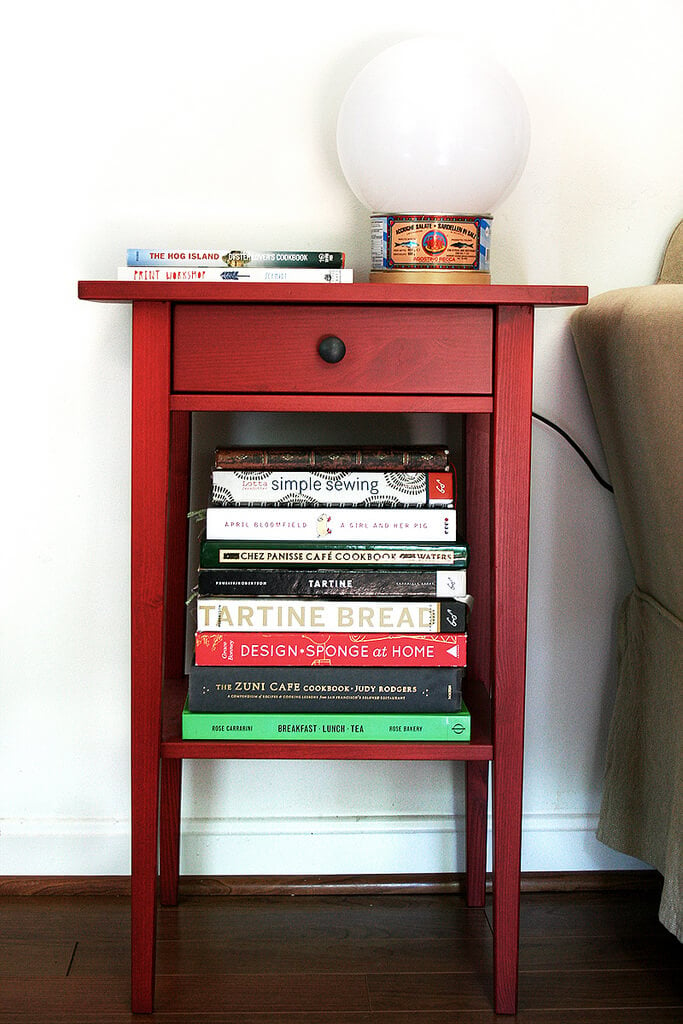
149, 123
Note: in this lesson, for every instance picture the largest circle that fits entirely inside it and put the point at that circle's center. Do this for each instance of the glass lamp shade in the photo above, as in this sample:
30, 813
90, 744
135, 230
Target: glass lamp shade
424, 128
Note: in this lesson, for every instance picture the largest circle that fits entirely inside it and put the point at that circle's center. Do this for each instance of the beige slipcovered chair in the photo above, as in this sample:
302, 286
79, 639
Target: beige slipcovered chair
630, 347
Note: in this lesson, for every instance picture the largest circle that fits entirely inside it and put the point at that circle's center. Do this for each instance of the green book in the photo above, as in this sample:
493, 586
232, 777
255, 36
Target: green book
326, 727
217, 554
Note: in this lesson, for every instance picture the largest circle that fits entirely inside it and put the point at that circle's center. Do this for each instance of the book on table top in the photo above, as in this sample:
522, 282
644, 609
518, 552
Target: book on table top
323, 689
319, 648
327, 727
432, 458
215, 554
322, 582
257, 275
234, 258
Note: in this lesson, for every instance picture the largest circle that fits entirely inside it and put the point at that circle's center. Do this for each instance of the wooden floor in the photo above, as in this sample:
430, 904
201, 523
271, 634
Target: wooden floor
586, 958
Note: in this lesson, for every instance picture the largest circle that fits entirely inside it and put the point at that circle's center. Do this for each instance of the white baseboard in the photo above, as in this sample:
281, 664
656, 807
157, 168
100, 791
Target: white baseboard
290, 846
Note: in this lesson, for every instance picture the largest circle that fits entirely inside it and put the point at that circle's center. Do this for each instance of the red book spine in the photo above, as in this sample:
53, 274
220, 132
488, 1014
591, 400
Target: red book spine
377, 649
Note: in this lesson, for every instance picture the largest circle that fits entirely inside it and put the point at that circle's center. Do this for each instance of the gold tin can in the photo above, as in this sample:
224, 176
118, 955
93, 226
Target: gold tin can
430, 249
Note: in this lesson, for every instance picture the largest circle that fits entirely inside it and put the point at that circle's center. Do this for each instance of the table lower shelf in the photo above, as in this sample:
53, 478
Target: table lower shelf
479, 748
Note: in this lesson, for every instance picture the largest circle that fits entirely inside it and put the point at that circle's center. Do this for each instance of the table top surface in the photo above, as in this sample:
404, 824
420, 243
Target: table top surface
332, 294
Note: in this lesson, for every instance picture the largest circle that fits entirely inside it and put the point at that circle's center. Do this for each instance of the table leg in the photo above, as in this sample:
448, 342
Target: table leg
150, 465
169, 844
176, 594
478, 523
511, 474
476, 803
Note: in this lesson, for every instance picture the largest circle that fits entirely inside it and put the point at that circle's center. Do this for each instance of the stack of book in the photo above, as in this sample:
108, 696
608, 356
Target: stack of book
225, 265
331, 598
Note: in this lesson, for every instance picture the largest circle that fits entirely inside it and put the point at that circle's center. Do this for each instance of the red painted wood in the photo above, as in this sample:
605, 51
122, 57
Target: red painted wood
323, 294
478, 534
476, 805
169, 840
275, 349
336, 403
497, 511
477, 530
511, 472
150, 448
177, 543
175, 608
312, 751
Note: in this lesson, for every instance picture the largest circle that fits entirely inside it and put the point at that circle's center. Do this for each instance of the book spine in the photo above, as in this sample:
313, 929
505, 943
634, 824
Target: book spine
281, 615
257, 275
320, 690
334, 649
410, 459
370, 727
430, 524
346, 488
329, 583
217, 553
233, 258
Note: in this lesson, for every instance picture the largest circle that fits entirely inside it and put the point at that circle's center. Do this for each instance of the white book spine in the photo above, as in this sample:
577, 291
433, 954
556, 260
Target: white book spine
330, 524
226, 275
287, 616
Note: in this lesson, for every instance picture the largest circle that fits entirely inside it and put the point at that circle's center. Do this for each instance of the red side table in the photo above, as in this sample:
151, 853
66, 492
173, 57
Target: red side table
463, 349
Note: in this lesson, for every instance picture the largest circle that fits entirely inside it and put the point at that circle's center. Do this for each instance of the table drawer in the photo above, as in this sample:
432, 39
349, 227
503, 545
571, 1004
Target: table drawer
274, 348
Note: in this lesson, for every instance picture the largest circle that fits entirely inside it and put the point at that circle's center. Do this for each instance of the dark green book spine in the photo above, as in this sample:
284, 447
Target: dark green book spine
326, 728
217, 554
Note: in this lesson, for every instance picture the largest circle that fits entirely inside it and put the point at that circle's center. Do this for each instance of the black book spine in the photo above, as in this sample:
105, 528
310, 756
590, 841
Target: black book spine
325, 583
320, 689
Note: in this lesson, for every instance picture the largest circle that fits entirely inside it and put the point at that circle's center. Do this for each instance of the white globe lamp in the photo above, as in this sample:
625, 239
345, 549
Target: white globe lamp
432, 137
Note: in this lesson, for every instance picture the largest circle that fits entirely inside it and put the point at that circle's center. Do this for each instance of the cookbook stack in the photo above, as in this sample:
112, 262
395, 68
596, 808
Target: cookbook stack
331, 598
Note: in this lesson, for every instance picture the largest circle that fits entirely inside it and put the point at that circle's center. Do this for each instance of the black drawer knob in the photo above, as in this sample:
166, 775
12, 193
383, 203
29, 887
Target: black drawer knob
332, 349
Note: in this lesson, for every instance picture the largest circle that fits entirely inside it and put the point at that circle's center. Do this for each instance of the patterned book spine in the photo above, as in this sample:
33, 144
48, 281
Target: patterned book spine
346, 488
330, 583
410, 459
217, 553
282, 615
334, 649
321, 689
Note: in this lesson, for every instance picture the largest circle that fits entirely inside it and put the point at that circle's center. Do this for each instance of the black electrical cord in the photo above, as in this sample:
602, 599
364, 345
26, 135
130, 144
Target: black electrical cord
572, 442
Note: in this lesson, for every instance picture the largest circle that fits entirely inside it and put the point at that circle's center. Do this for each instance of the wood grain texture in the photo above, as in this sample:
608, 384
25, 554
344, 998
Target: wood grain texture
174, 662
367, 401
169, 830
150, 469
43, 887
476, 805
510, 489
275, 349
584, 958
477, 530
322, 294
